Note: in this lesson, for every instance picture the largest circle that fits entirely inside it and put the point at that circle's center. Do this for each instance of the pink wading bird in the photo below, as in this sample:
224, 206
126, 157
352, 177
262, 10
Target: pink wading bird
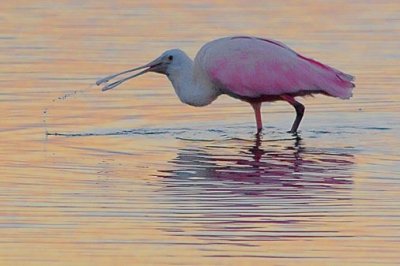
254, 70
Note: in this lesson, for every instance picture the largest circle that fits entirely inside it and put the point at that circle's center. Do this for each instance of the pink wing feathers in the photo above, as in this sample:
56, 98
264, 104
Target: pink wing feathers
253, 67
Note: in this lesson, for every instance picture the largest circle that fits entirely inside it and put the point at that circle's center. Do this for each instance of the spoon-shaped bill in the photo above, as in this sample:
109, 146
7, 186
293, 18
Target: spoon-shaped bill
152, 66
116, 83
106, 79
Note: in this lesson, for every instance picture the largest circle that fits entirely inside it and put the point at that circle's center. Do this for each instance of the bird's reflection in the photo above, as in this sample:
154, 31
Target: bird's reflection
232, 187
277, 167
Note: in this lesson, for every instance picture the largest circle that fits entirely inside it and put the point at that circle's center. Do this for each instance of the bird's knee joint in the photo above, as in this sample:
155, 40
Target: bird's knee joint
299, 107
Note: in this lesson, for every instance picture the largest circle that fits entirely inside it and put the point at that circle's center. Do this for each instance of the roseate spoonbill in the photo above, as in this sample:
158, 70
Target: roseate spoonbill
251, 69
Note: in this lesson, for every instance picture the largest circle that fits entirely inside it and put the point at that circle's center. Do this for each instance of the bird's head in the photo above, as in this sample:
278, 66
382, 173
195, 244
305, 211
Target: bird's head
169, 61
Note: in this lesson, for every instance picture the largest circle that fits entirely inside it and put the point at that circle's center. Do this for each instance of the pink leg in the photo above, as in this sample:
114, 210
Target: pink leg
299, 111
257, 112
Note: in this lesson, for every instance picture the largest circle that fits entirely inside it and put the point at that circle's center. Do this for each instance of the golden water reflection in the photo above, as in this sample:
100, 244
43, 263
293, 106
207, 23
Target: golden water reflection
259, 192
133, 177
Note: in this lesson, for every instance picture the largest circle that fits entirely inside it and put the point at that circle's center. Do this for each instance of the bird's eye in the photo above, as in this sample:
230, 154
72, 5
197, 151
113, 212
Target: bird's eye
170, 57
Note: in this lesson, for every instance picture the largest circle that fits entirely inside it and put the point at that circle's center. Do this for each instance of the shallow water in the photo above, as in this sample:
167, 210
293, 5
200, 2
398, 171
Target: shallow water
133, 177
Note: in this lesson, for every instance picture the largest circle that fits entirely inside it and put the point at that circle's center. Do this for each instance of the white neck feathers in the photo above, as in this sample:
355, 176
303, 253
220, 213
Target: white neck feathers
191, 84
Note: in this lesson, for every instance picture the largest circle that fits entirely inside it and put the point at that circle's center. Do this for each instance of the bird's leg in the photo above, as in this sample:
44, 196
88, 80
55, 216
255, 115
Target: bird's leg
299, 111
257, 111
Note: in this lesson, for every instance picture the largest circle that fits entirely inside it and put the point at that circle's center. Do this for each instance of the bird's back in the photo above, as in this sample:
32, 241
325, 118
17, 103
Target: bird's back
248, 67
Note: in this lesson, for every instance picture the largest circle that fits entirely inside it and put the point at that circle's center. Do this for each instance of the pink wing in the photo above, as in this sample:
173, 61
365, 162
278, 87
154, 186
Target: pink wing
254, 67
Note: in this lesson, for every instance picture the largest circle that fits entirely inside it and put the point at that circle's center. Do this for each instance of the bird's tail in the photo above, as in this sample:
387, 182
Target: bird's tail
331, 81
342, 85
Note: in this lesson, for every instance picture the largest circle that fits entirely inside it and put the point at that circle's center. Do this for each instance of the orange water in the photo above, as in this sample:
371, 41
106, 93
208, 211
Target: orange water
134, 177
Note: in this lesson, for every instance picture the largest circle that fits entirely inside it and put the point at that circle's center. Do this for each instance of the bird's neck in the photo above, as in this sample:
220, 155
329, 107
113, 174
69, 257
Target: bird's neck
192, 85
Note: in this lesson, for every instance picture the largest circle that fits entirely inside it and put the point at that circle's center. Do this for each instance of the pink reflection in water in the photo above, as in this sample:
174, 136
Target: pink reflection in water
242, 195
268, 164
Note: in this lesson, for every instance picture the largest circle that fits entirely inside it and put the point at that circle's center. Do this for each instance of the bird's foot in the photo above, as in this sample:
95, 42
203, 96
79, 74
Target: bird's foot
258, 135
294, 133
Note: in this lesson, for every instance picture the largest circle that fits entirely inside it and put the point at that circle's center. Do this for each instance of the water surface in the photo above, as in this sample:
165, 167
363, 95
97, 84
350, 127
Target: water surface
133, 177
